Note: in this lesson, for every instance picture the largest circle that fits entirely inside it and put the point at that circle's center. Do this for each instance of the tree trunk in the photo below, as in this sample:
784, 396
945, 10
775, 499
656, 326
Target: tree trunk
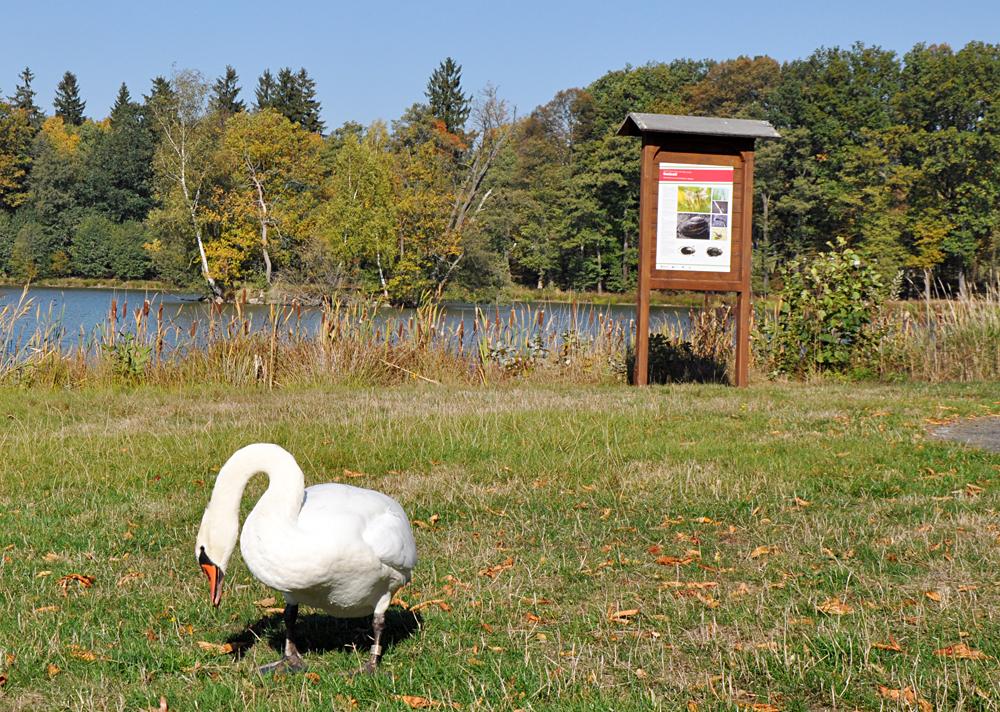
963, 287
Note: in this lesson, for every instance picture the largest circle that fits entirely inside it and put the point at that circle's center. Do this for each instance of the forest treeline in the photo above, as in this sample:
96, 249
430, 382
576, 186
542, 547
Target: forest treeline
198, 183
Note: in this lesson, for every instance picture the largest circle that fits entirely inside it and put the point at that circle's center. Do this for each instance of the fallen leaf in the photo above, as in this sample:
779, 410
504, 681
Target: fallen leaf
312, 677
707, 600
352, 473
439, 602
43, 574
762, 551
492, 571
51, 556
532, 618
47, 609
422, 703
892, 646
800, 503
52, 670
906, 694
82, 653
223, 649
622, 616
163, 704
83, 580
130, 576
655, 549
933, 595
692, 706
641, 674
266, 602
835, 607
962, 651
3, 680
673, 560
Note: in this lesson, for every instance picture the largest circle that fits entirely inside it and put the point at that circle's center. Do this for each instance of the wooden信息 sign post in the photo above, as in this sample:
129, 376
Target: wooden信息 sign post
695, 215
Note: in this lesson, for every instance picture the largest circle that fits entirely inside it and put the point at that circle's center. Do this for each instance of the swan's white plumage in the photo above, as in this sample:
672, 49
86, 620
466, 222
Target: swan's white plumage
339, 548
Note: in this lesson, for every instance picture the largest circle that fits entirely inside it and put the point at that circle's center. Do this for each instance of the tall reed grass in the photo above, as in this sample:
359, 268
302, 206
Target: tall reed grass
357, 344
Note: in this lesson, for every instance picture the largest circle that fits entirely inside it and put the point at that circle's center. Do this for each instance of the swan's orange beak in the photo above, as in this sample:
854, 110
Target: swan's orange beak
215, 576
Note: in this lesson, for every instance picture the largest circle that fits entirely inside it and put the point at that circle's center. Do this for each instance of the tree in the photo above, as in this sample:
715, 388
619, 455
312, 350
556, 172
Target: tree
359, 220
225, 94
24, 99
68, 103
184, 158
16, 134
118, 175
276, 165
54, 184
293, 95
266, 92
445, 97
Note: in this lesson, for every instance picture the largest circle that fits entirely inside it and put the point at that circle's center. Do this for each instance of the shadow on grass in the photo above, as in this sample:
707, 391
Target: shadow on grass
321, 633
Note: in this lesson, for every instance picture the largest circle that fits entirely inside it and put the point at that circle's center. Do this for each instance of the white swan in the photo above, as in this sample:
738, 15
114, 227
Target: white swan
342, 549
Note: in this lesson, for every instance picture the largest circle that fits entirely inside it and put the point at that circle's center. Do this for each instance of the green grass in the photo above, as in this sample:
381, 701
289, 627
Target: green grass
582, 489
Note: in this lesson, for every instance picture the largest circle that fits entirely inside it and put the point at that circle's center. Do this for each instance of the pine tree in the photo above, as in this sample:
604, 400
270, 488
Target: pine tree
123, 103
24, 98
225, 93
444, 93
68, 103
308, 105
286, 94
266, 90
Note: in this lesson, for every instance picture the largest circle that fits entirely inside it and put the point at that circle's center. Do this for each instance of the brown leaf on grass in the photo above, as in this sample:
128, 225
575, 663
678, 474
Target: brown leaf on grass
800, 503
707, 599
3, 680
47, 609
266, 602
532, 618
352, 474
673, 560
83, 580
763, 551
52, 670
163, 704
83, 654
758, 707
130, 576
892, 646
962, 651
835, 607
423, 703
655, 549
223, 649
622, 616
51, 556
439, 602
493, 571
692, 706
906, 694
933, 595
312, 677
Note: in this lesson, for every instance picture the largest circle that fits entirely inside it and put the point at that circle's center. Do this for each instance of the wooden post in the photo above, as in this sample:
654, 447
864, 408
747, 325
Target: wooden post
647, 239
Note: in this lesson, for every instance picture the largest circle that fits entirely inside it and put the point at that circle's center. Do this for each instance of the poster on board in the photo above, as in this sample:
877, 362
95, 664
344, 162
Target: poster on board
694, 217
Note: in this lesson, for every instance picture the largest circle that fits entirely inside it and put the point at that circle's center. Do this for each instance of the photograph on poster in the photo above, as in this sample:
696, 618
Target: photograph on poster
694, 204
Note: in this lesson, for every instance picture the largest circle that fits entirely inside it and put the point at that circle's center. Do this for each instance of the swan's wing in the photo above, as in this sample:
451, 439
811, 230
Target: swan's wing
384, 526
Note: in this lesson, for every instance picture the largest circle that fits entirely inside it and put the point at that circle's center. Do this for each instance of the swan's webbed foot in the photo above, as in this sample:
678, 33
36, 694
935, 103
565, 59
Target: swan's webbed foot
286, 665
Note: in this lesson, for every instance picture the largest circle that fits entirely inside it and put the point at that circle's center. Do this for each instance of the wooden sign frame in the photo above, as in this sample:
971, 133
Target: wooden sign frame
696, 141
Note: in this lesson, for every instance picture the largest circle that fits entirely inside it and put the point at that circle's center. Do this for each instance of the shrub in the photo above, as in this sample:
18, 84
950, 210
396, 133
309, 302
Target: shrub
675, 361
826, 308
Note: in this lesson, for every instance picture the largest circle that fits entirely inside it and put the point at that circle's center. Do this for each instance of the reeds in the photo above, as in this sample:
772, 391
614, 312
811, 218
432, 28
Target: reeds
360, 343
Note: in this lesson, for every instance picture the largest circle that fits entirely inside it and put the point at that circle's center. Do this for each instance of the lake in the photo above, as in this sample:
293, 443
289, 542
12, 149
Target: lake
75, 315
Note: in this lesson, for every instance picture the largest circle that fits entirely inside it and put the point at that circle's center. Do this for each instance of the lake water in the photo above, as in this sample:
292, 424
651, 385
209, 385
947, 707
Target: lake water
75, 315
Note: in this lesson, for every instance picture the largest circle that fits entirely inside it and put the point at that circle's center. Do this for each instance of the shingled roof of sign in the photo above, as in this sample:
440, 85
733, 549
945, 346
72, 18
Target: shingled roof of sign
636, 124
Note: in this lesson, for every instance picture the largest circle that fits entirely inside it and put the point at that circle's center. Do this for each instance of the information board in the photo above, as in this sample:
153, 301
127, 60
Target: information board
694, 217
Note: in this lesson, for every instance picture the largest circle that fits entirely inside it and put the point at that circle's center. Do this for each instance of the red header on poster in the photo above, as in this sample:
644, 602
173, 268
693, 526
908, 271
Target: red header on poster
696, 175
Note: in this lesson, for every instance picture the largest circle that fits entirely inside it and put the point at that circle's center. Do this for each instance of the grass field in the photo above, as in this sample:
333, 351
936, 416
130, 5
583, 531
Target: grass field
779, 548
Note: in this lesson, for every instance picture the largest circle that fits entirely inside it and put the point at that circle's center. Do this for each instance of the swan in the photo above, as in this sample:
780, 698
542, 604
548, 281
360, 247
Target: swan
342, 549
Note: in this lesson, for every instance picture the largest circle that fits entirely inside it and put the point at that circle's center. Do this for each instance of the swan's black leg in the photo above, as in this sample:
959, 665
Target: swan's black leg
290, 660
378, 625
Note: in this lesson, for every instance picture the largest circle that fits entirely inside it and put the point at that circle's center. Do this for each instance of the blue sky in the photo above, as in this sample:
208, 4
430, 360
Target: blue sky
372, 60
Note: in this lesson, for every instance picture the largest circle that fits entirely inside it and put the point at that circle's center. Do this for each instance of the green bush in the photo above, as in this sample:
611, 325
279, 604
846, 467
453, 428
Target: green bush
827, 305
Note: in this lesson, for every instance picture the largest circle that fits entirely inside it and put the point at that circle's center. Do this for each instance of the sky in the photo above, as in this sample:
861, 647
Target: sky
371, 60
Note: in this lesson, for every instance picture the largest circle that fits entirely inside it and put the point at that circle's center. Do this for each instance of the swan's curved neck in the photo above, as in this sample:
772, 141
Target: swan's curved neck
283, 497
